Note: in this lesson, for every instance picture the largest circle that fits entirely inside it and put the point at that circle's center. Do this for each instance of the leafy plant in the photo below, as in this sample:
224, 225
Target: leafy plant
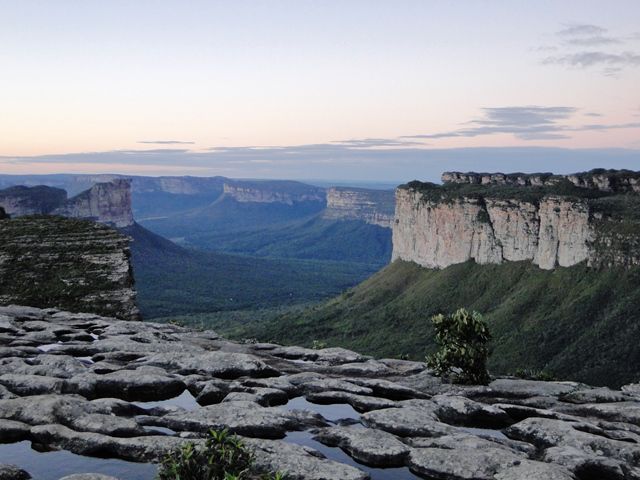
223, 457
463, 338
532, 374
318, 345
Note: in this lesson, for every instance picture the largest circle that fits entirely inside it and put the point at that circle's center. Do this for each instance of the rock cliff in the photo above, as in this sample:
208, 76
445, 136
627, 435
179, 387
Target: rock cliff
108, 203
375, 207
288, 193
20, 200
78, 265
547, 219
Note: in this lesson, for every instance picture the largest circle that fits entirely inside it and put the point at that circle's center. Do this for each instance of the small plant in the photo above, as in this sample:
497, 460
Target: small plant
318, 345
463, 338
223, 457
531, 374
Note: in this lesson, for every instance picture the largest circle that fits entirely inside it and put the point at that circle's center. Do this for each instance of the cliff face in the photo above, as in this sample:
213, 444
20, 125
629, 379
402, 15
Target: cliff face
78, 265
611, 181
40, 200
284, 192
108, 203
375, 207
440, 226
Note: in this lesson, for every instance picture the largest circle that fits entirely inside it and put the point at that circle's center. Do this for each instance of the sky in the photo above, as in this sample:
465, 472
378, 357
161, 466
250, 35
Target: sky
364, 90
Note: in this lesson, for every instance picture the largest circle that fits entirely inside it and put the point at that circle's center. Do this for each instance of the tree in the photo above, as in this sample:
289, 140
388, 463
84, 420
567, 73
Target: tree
463, 338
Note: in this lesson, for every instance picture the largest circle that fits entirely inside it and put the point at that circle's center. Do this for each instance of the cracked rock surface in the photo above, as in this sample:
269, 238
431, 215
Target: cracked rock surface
101, 387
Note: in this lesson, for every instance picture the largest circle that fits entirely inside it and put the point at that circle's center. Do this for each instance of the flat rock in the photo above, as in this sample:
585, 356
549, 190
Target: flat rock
361, 403
595, 395
461, 463
508, 388
13, 431
463, 411
126, 384
300, 463
215, 364
408, 421
369, 446
31, 384
241, 417
88, 476
530, 470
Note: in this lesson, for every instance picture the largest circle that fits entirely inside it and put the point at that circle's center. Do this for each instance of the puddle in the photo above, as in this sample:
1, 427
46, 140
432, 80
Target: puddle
332, 412
57, 464
336, 454
94, 336
485, 432
164, 430
85, 360
184, 400
50, 346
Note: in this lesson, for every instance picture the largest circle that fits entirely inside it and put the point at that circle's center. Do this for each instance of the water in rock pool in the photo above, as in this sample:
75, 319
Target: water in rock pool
57, 464
335, 454
332, 412
184, 400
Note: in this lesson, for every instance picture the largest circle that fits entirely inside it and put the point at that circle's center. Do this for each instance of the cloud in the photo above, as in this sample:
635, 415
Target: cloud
593, 114
590, 59
166, 142
526, 123
590, 46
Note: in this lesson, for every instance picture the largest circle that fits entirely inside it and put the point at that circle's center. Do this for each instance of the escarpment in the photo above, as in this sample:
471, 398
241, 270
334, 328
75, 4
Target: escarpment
77, 265
107, 202
375, 207
286, 192
547, 219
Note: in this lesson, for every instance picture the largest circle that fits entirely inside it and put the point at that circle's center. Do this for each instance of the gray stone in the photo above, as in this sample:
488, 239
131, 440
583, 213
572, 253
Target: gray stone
88, 476
463, 411
126, 384
529, 470
361, 403
408, 421
11, 472
595, 395
300, 463
462, 463
369, 446
31, 384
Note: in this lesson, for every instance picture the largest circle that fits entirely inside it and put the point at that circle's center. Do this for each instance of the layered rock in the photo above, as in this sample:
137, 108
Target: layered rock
439, 226
611, 181
108, 203
74, 264
284, 192
375, 207
39, 200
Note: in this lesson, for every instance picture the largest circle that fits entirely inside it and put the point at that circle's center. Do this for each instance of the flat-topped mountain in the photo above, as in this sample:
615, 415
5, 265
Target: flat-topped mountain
550, 220
375, 207
20, 200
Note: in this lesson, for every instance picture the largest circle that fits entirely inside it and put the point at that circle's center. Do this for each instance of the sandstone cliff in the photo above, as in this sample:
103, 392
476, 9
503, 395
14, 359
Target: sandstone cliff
108, 203
548, 220
375, 207
284, 192
20, 200
78, 265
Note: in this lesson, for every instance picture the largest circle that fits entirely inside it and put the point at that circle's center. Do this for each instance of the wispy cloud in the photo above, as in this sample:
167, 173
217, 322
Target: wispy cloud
591, 46
526, 123
166, 142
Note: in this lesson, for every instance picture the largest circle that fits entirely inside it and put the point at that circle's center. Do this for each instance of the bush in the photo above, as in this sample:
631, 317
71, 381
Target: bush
463, 338
223, 457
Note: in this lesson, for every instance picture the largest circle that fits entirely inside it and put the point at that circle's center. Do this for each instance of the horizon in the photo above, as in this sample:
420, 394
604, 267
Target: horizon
299, 89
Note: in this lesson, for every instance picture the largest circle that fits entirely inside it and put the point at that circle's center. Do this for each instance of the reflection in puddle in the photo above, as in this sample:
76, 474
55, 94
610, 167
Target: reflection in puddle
184, 400
163, 430
57, 464
485, 432
333, 413
337, 455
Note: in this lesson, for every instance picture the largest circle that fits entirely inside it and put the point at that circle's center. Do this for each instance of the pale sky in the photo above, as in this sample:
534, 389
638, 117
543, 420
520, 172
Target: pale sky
334, 89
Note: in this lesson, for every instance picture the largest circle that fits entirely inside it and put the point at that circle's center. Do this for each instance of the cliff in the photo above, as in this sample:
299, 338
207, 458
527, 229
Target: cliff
611, 181
375, 207
82, 266
546, 219
108, 203
285, 192
20, 200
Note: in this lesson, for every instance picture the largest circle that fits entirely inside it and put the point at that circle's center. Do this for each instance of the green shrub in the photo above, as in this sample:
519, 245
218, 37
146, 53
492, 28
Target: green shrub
463, 338
532, 374
223, 457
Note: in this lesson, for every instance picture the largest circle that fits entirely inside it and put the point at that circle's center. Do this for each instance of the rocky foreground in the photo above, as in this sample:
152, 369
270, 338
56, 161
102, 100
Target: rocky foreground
83, 383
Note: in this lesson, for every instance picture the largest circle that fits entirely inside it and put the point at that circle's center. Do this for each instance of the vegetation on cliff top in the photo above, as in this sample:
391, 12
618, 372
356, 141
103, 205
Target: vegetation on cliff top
576, 323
